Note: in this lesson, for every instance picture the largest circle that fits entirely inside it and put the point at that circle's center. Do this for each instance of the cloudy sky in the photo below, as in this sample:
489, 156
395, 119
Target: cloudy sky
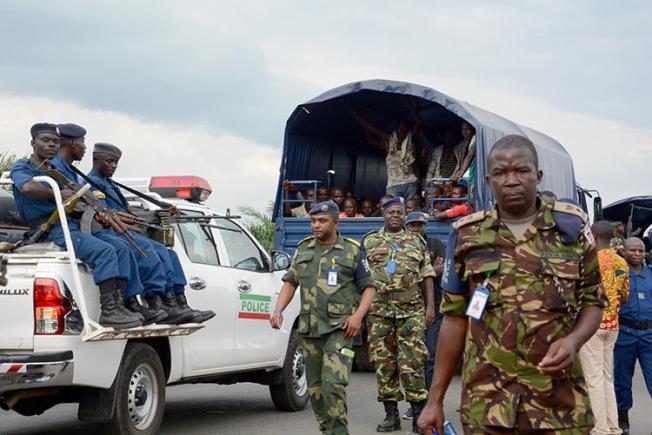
205, 87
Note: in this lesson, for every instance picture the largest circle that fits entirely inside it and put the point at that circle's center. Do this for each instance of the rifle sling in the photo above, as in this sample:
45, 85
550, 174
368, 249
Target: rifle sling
94, 184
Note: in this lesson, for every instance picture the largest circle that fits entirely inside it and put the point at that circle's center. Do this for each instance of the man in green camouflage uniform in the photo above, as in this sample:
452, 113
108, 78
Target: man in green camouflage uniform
536, 261
403, 274
336, 292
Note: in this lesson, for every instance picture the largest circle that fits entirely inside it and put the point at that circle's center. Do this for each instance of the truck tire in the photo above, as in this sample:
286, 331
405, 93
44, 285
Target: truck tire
140, 393
292, 394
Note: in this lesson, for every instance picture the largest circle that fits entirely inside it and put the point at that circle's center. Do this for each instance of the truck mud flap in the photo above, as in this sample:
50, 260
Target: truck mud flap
101, 333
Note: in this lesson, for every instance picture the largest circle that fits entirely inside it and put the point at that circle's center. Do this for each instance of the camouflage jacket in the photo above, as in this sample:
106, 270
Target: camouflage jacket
325, 307
398, 294
536, 284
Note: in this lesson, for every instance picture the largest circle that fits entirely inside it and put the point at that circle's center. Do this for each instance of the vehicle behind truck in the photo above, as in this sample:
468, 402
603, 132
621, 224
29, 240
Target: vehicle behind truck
53, 350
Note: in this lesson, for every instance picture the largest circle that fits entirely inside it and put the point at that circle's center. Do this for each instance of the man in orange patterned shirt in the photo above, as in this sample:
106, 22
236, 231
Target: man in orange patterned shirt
596, 355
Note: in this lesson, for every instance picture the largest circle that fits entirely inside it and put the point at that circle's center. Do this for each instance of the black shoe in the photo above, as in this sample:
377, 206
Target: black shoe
150, 316
417, 408
113, 313
392, 420
121, 284
168, 303
623, 421
198, 316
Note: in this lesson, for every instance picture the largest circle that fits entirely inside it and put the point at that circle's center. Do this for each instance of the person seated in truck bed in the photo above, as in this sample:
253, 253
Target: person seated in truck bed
367, 207
350, 209
322, 194
455, 210
112, 263
296, 209
412, 204
337, 196
169, 294
379, 205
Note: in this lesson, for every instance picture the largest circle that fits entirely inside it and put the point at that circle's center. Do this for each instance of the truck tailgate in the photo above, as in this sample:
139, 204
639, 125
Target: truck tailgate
17, 307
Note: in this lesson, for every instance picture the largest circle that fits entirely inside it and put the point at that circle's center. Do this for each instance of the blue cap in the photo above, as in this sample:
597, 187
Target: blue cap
326, 207
108, 149
416, 216
398, 200
43, 127
71, 131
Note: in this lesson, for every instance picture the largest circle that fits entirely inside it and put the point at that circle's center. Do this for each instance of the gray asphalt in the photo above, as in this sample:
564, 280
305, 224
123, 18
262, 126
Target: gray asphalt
247, 409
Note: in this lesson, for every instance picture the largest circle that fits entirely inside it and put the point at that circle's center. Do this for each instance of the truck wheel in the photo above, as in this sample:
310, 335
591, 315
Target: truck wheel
140, 393
292, 394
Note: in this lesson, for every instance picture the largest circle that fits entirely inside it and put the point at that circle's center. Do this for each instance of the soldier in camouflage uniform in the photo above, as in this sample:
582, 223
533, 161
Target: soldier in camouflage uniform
535, 262
336, 292
403, 273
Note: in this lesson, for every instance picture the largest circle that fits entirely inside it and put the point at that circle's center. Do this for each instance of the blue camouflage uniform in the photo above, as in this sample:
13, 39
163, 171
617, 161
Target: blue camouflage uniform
173, 272
145, 272
634, 337
108, 261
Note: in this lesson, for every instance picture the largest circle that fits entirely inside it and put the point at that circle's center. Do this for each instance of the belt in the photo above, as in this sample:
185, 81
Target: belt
636, 324
401, 296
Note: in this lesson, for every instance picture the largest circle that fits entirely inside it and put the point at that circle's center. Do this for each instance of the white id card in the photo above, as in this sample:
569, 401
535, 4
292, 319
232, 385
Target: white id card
641, 296
478, 302
332, 278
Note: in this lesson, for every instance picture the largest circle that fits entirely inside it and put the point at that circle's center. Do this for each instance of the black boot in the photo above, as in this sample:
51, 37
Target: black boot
168, 303
392, 420
417, 408
111, 314
150, 315
623, 422
198, 316
122, 286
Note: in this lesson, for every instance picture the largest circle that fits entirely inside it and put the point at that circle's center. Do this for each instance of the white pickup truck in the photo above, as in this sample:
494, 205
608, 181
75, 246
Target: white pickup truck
52, 350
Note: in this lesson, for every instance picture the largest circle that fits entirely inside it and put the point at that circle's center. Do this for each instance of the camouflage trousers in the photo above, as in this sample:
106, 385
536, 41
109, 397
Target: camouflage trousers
328, 372
398, 350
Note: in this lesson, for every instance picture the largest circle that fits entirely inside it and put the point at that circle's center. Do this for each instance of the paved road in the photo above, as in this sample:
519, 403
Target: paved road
247, 409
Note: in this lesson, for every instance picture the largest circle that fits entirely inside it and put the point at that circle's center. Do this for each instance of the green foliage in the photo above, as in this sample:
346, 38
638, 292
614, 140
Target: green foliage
6, 161
260, 225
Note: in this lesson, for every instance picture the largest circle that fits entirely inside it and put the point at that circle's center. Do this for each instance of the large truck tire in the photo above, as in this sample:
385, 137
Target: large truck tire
292, 394
140, 393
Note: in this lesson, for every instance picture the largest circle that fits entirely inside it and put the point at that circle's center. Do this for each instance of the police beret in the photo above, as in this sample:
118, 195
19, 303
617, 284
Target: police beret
107, 148
326, 207
398, 200
415, 216
72, 131
43, 127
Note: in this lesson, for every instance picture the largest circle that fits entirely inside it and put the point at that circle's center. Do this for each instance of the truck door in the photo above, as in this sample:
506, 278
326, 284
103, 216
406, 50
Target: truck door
210, 286
255, 286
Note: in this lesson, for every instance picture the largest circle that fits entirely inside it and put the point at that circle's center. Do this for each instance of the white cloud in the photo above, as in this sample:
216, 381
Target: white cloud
240, 171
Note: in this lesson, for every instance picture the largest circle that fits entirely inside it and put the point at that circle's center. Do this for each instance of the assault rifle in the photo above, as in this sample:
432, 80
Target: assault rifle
109, 215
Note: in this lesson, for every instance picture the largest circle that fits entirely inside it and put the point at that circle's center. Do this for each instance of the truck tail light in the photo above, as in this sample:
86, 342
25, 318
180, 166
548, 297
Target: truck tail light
50, 307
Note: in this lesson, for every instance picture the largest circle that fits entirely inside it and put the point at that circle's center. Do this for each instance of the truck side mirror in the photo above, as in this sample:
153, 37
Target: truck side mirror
280, 260
597, 208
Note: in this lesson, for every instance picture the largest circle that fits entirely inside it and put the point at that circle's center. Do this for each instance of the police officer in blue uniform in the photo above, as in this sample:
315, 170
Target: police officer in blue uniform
35, 203
635, 334
173, 298
146, 272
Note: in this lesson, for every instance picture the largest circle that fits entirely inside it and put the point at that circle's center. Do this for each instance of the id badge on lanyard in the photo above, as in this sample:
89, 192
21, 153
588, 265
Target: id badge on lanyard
479, 300
332, 274
391, 265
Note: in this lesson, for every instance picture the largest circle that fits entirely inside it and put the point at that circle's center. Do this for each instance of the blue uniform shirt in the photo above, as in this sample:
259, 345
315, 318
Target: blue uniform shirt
30, 209
108, 186
64, 167
639, 305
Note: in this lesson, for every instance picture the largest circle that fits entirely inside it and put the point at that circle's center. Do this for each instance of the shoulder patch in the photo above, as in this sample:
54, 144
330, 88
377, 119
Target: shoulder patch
355, 242
568, 208
305, 240
472, 218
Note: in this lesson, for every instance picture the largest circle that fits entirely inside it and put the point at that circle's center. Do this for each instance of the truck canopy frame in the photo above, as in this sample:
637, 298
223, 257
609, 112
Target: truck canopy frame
321, 134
